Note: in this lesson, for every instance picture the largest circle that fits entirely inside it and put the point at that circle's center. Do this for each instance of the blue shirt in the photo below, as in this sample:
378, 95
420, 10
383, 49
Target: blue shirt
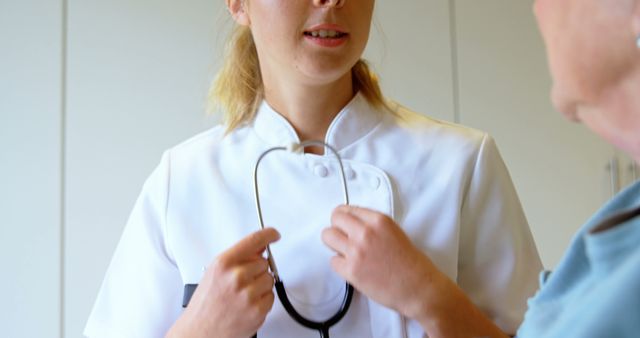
595, 290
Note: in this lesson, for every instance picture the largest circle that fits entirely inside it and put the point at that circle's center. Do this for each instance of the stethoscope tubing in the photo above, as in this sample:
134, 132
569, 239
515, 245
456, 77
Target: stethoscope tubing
322, 327
295, 147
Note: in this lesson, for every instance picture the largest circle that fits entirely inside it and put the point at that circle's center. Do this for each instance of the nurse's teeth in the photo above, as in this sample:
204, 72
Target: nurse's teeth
324, 34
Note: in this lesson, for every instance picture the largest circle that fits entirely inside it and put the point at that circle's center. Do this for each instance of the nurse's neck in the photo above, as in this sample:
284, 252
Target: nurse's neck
310, 109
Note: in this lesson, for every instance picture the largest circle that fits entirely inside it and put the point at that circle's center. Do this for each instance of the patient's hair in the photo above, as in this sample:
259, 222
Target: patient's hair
238, 90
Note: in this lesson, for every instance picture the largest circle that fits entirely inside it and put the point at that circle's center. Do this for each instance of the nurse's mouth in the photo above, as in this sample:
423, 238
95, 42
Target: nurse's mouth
326, 37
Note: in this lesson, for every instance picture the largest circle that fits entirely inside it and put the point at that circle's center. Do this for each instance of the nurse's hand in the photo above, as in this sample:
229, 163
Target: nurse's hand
234, 295
378, 259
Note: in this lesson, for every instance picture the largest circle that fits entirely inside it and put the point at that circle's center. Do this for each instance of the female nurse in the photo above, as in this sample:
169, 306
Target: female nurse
294, 73
593, 48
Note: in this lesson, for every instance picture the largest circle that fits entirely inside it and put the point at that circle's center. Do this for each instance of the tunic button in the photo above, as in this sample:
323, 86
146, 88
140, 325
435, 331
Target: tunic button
321, 170
375, 182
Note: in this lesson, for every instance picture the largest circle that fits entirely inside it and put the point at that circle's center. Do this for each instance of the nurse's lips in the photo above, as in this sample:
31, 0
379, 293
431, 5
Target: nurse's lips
326, 35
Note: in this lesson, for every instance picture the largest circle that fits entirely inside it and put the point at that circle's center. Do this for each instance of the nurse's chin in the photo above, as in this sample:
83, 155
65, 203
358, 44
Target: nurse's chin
566, 106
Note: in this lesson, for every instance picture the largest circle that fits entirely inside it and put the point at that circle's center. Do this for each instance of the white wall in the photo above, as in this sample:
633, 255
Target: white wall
30, 167
137, 80
410, 49
92, 91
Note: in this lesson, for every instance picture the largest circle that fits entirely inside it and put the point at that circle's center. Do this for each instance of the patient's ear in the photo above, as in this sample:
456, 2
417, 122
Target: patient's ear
237, 8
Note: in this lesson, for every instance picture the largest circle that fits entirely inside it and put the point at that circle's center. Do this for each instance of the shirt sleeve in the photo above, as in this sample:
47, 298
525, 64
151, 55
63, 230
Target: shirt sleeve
141, 293
498, 262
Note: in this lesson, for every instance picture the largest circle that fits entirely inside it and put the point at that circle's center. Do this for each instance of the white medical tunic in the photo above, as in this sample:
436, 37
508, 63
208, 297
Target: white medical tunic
446, 186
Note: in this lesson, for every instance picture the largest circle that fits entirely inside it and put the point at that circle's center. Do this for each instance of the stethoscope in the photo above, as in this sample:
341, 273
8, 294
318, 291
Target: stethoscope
323, 326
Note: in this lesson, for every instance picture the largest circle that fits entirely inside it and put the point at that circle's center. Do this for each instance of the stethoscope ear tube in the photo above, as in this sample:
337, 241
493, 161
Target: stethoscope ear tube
322, 327
256, 187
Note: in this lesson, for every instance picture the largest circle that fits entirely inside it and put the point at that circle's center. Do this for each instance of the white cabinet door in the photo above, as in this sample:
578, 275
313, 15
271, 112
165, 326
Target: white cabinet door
559, 168
628, 170
30, 167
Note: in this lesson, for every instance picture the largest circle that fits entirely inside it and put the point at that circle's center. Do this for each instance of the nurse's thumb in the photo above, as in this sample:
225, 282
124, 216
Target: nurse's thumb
256, 242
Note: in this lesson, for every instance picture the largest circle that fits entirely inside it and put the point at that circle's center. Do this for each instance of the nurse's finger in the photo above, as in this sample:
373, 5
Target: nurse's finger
259, 309
262, 285
249, 271
349, 224
252, 245
340, 265
367, 216
336, 240
266, 303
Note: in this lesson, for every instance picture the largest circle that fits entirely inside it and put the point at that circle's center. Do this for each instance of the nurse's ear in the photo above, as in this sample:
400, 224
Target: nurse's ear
237, 9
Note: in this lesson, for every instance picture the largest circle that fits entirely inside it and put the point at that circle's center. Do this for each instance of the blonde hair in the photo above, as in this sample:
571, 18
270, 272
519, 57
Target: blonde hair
238, 90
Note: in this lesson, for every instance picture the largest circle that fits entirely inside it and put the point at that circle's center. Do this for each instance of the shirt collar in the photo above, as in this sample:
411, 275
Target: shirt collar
353, 122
